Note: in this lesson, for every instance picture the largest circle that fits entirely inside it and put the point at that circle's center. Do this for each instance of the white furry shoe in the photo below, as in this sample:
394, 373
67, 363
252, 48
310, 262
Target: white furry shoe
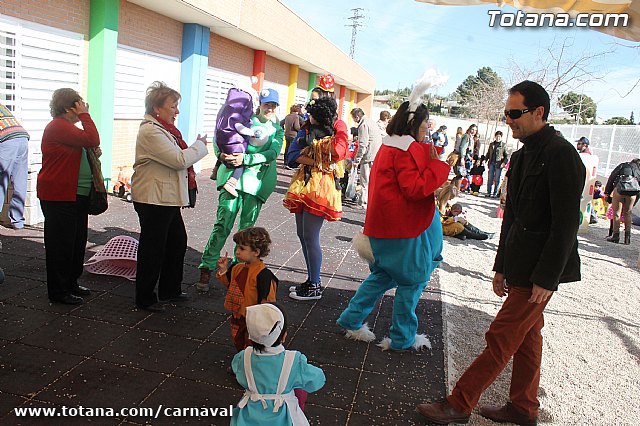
421, 342
363, 334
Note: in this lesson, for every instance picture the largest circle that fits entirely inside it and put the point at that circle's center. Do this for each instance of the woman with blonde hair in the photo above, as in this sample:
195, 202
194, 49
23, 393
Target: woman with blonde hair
162, 177
64, 184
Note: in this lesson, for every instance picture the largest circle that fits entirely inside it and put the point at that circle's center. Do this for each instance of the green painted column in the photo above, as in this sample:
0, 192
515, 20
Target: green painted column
103, 41
312, 83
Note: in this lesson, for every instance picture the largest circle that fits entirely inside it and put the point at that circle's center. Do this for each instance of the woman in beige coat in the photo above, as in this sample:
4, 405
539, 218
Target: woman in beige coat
162, 176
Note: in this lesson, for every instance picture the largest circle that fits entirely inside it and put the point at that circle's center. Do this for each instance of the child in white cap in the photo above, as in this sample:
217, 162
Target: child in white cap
269, 373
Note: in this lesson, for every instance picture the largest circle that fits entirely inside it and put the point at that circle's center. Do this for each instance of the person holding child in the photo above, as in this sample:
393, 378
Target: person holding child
249, 282
402, 225
315, 193
270, 374
256, 183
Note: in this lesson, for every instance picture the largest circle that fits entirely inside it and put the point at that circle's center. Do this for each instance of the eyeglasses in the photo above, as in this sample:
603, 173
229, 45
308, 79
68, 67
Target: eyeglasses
514, 114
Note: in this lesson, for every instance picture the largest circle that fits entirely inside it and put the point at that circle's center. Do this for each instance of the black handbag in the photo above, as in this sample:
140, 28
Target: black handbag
98, 203
627, 185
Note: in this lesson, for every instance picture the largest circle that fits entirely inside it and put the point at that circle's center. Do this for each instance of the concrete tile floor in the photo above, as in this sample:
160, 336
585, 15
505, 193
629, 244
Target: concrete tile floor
105, 353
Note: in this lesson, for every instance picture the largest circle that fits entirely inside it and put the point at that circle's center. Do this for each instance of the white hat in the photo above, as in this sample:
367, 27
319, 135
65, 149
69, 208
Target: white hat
264, 323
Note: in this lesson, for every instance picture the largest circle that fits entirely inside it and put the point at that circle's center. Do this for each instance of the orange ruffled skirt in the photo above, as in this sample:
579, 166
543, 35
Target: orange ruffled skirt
319, 196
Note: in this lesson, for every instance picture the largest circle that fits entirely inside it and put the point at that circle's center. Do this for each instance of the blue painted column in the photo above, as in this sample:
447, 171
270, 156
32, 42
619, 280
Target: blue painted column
193, 77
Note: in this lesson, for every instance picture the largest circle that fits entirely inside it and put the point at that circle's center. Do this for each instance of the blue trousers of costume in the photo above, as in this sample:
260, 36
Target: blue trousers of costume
494, 178
14, 167
308, 228
402, 263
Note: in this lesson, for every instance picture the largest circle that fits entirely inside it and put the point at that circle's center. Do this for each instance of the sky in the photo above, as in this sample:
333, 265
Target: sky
400, 39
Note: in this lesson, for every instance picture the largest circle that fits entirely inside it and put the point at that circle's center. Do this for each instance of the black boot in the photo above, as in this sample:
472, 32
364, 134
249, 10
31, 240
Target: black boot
627, 237
478, 231
614, 238
473, 235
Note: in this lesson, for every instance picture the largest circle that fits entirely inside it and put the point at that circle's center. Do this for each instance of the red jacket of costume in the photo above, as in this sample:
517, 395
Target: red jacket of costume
403, 180
62, 144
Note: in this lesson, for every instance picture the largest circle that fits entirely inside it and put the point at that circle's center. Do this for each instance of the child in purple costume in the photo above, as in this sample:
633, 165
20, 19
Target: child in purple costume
233, 130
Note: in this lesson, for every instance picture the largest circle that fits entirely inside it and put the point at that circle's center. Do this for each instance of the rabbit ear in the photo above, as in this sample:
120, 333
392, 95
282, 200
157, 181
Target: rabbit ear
431, 78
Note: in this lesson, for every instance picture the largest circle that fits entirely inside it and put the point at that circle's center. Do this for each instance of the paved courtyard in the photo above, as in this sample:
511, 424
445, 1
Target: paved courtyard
107, 354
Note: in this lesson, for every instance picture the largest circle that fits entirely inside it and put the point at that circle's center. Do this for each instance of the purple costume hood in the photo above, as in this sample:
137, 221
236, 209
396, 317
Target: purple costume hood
238, 108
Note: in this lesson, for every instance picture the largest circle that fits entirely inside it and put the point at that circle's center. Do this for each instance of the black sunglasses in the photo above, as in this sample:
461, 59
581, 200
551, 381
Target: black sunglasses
514, 114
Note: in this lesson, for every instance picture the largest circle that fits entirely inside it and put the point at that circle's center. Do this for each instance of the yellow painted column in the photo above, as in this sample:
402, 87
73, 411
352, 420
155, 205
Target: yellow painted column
293, 86
352, 101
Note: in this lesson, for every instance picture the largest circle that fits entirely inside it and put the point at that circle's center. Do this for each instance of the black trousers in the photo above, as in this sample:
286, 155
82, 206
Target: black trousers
65, 241
163, 244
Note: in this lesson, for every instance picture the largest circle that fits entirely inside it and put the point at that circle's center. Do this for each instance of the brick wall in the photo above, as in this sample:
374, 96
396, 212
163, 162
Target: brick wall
365, 101
123, 144
277, 71
303, 79
143, 29
230, 56
69, 15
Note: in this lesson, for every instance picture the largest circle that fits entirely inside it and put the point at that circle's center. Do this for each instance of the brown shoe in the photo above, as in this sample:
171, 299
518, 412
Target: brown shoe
508, 414
442, 413
203, 282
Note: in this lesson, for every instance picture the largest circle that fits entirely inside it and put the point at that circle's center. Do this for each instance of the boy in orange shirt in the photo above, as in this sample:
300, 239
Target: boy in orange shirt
249, 282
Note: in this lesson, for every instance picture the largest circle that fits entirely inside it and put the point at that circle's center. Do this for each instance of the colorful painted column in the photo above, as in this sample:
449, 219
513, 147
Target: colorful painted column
259, 64
352, 104
341, 102
103, 42
193, 78
293, 86
312, 83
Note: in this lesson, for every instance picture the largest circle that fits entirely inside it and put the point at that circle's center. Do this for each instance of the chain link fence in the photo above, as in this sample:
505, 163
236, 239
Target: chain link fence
613, 144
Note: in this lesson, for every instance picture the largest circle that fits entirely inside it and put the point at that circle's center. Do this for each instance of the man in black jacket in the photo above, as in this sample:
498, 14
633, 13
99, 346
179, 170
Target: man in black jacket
538, 249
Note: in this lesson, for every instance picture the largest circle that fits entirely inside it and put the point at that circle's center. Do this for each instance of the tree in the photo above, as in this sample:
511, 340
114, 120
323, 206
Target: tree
580, 107
483, 95
631, 120
560, 68
618, 120
485, 82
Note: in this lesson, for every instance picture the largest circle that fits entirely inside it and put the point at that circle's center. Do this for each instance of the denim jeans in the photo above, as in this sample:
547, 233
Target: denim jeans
494, 175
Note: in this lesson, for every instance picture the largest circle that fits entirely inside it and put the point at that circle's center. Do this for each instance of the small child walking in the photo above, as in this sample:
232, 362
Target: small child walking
269, 373
249, 282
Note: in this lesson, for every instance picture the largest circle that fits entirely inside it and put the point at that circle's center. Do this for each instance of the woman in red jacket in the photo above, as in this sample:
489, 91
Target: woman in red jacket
64, 184
403, 228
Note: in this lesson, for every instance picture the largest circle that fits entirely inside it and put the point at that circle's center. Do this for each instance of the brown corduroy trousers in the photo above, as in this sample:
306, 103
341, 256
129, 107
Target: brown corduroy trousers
515, 332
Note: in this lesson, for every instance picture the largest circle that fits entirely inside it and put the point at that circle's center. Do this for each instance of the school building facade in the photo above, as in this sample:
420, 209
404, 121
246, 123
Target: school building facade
111, 50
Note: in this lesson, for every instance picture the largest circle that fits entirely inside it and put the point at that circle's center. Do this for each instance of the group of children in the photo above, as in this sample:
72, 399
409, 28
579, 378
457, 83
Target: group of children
475, 169
273, 378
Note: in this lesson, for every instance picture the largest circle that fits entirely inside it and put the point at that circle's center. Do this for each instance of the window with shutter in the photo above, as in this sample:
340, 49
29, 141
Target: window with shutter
8, 71
135, 71
217, 86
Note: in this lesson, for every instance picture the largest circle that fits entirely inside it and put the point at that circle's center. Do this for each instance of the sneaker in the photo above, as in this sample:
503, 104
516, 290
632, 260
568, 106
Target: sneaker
230, 186
312, 292
300, 287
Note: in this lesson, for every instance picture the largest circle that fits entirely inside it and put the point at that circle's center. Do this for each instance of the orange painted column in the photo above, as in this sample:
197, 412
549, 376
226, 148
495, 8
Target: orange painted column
341, 104
259, 63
